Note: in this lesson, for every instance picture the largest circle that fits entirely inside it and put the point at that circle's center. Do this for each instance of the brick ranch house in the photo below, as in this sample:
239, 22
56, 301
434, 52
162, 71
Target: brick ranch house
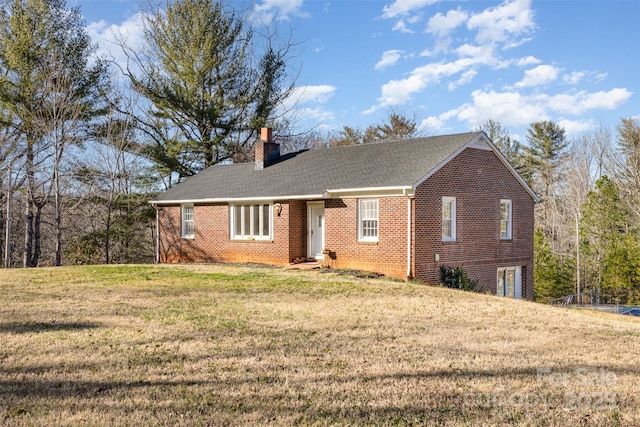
401, 208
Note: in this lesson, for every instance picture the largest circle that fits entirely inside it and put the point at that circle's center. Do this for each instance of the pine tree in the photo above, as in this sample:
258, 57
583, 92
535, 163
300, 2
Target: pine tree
210, 91
611, 248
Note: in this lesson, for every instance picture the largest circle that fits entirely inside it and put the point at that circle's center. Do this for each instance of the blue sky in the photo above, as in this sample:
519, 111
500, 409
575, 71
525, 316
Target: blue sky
450, 65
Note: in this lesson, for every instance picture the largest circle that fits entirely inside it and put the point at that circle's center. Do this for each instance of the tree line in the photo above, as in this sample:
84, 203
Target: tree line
85, 142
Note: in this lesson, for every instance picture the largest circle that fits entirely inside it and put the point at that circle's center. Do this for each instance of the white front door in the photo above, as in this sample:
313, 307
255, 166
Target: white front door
315, 237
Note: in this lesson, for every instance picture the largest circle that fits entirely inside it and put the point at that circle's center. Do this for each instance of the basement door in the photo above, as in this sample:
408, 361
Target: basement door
315, 233
510, 282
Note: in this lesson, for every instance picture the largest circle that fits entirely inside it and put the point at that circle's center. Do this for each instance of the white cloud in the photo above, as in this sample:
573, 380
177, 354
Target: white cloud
600, 77
574, 77
464, 79
504, 22
484, 54
529, 60
389, 58
269, 10
575, 127
431, 124
581, 102
509, 108
402, 27
313, 93
313, 116
397, 92
495, 28
110, 37
404, 7
539, 75
301, 105
442, 25
515, 109
414, 19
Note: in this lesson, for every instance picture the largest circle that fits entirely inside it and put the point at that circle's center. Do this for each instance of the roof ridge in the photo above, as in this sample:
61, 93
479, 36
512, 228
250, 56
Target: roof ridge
390, 141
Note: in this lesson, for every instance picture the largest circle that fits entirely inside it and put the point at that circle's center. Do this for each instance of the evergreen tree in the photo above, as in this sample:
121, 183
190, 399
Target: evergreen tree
541, 166
611, 248
547, 144
397, 127
553, 277
209, 89
511, 148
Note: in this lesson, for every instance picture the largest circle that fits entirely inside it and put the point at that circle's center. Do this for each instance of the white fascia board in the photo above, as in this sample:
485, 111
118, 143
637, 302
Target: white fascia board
405, 190
236, 199
481, 141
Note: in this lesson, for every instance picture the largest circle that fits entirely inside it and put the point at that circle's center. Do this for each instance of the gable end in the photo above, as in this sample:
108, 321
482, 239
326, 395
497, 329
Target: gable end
481, 142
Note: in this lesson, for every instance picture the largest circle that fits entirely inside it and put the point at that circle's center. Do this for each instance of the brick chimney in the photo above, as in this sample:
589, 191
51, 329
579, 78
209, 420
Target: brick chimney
266, 151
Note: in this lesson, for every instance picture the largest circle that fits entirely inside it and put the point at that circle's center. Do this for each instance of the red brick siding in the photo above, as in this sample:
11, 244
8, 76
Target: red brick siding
212, 236
297, 229
387, 256
478, 180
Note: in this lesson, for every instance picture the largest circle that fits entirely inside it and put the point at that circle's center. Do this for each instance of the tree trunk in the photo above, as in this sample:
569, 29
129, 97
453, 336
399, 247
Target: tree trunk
107, 235
29, 204
37, 236
28, 233
58, 221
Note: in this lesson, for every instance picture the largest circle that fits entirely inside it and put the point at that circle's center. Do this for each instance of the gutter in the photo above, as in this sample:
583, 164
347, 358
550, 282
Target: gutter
235, 199
328, 194
367, 192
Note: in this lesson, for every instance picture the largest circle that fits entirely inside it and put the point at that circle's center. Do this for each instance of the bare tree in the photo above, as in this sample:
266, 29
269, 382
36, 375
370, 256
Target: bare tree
42, 46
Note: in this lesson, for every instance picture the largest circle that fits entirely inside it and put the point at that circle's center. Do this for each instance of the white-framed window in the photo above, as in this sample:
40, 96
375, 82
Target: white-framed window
253, 221
509, 282
368, 220
188, 224
505, 219
448, 219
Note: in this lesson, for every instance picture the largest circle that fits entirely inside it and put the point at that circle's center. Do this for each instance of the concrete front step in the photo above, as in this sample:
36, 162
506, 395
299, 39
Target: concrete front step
310, 265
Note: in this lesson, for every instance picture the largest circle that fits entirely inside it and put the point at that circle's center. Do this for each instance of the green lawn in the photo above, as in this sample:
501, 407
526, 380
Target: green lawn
246, 345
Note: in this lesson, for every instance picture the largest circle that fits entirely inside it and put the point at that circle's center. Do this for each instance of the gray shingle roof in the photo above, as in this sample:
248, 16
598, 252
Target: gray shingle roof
313, 172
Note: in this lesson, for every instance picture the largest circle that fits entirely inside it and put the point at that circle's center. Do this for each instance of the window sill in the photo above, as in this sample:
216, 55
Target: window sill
506, 239
246, 239
188, 237
367, 242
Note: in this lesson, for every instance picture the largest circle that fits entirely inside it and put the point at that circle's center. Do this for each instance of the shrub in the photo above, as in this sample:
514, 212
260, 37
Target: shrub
457, 278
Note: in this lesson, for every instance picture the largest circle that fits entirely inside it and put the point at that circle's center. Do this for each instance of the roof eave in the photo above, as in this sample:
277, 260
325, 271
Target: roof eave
236, 199
389, 191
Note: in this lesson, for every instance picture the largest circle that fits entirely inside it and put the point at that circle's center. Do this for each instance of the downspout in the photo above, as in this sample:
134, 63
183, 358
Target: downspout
157, 234
408, 235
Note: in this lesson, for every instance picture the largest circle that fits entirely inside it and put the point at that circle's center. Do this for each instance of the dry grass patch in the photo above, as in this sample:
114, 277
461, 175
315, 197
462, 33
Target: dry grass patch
234, 345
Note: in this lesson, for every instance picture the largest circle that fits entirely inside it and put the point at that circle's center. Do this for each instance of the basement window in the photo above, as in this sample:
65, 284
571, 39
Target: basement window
251, 221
